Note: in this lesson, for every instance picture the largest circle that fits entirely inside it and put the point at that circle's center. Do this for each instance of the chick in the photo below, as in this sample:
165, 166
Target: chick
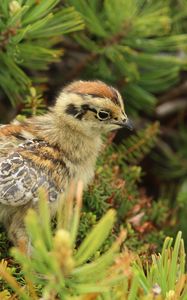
55, 149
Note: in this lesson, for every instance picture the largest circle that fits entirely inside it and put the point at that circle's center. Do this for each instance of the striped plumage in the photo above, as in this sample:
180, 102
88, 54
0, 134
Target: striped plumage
54, 149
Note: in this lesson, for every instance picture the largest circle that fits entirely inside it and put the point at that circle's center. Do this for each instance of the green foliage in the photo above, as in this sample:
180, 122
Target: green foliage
166, 274
133, 45
33, 104
172, 163
181, 202
29, 31
136, 147
179, 14
58, 270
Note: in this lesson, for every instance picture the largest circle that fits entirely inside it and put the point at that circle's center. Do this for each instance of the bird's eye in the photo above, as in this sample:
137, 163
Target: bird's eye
103, 115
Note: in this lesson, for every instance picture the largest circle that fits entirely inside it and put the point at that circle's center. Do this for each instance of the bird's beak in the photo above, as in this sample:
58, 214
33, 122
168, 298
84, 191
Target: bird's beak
126, 124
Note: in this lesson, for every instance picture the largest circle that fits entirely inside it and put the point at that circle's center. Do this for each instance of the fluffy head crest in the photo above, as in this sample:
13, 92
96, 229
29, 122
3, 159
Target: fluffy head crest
93, 88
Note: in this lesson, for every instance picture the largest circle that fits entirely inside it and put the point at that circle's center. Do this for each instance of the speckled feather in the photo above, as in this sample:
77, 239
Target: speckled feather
20, 178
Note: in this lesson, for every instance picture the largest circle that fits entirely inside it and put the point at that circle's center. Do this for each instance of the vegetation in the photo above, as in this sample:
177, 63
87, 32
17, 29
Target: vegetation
139, 194
60, 270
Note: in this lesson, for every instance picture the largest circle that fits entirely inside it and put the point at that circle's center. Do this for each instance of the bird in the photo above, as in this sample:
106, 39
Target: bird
54, 149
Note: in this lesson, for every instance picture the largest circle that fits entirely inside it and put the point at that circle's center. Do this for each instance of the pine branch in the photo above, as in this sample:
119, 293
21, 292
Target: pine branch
137, 147
171, 158
29, 34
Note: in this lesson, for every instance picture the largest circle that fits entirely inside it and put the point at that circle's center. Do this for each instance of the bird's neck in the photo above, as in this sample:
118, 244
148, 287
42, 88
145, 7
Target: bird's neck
77, 145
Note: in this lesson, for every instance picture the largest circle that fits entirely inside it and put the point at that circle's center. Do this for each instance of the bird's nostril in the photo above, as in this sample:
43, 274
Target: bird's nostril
115, 119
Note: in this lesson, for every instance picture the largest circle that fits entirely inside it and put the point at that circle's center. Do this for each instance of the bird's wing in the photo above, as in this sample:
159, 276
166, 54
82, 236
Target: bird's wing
20, 180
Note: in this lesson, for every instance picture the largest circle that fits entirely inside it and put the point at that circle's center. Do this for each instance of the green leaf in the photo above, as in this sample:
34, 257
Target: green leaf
91, 244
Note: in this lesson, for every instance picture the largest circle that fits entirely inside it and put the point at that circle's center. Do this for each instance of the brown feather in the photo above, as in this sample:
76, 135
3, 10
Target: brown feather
94, 88
14, 129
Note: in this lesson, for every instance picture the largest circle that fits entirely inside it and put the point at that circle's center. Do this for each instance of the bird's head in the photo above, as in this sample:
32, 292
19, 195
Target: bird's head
92, 106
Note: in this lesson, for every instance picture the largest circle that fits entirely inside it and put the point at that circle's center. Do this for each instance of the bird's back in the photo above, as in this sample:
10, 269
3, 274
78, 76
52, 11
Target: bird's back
11, 136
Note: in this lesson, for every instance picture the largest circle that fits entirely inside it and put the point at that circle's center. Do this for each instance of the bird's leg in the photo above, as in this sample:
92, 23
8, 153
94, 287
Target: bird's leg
17, 234
13, 220
16, 231
15, 227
